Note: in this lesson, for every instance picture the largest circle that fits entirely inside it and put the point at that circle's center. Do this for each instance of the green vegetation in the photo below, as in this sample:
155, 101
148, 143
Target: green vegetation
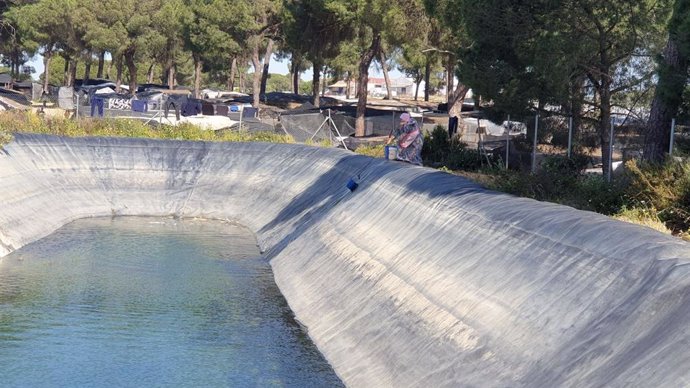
663, 190
657, 196
440, 151
30, 123
375, 151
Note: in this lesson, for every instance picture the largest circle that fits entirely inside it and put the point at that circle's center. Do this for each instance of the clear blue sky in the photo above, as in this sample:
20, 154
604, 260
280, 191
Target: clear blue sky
276, 67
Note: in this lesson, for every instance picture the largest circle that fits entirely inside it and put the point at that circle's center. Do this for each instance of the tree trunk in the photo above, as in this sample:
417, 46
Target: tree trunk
455, 101
295, 81
231, 77
577, 98
150, 73
13, 60
384, 67
87, 67
132, 69
427, 78
356, 86
455, 95
295, 65
65, 71
450, 78
267, 62
14, 63
118, 68
171, 77
315, 82
110, 67
347, 85
197, 76
256, 84
325, 78
668, 96
242, 88
168, 63
417, 81
72, 72
605, 119
47, 58
363, 81
101, 62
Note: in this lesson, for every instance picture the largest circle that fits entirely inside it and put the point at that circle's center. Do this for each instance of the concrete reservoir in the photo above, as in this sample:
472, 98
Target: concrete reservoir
416, 278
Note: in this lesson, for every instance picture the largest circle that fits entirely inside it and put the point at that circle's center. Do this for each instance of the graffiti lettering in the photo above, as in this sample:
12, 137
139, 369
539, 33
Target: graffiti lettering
119, 103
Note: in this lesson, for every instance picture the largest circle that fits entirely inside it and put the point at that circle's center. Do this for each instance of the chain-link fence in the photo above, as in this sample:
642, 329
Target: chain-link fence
524, 142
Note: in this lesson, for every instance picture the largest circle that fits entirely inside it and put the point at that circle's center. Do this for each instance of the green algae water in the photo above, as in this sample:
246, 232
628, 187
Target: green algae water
147, 302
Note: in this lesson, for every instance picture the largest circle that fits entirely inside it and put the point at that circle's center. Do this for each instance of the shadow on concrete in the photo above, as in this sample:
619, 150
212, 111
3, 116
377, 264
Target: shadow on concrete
320, 198
441, 184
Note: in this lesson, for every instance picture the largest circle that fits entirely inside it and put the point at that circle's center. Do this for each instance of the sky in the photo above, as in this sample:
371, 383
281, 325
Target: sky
276, 67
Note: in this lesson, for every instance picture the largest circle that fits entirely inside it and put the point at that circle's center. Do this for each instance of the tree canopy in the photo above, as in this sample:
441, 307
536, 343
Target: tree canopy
581, 58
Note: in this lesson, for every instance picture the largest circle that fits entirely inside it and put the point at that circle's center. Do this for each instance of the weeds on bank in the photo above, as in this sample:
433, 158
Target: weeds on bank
31, 123
663, 190
653, 196
642, 216
375, 151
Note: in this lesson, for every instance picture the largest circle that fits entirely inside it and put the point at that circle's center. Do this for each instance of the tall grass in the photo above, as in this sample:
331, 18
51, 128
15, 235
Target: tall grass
663, 190
375, 151
28, 122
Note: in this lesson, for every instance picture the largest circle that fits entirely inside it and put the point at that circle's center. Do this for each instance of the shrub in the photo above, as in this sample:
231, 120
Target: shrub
560, 182
665, 188
517, 183
681, 145
594, 193
436, 145
441, 151
557, 175
657, 185
462, 158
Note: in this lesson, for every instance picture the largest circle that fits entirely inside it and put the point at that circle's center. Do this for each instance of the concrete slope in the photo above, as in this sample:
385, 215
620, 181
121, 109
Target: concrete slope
417, 278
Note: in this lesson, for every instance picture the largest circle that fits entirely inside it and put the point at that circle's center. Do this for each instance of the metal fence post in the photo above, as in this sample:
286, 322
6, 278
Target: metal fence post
508, 142
421, 124
608, 175
534, 145
673, 132
393, 122
570, 136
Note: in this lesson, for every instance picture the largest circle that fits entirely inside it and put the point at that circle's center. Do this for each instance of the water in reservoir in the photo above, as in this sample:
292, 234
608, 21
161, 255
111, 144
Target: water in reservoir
147, 302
